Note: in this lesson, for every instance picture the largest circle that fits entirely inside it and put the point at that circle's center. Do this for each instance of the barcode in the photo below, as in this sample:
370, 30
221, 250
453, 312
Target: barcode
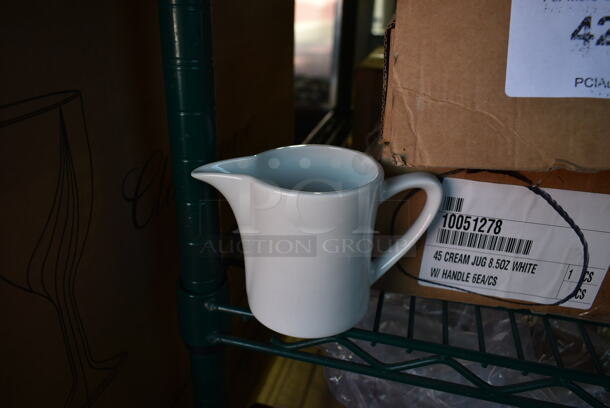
484, 241
452, 204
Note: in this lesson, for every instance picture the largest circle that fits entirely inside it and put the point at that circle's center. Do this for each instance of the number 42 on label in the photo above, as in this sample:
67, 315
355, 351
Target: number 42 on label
583, 31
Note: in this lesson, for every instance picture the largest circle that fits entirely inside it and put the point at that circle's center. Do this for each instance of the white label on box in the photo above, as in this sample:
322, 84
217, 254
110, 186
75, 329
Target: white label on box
559, 48
505, 241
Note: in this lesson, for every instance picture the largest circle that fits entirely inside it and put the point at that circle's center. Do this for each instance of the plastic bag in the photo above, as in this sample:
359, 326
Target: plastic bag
356, 390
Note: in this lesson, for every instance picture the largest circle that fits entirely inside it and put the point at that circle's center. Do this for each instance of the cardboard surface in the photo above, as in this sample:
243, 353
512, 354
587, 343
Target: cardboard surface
89, 258
446, 106
396, 281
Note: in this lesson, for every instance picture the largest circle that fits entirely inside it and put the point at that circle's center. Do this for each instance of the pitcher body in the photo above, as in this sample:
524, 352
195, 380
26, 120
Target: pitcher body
306, 216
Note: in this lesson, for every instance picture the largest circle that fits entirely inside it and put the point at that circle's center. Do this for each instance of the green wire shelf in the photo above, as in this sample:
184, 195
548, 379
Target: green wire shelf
547, 375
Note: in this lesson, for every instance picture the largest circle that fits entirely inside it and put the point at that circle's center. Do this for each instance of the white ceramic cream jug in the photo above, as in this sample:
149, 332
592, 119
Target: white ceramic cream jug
306, 216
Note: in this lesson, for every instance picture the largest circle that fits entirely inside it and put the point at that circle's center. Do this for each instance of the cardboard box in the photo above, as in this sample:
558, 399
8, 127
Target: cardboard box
446, 105
107, 333
446, 109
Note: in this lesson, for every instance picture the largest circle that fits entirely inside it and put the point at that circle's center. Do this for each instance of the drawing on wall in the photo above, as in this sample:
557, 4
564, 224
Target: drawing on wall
48, 223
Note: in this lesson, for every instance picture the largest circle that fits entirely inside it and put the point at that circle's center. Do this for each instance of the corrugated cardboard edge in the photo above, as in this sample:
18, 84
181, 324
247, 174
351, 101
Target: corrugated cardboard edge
387, 39
376, 147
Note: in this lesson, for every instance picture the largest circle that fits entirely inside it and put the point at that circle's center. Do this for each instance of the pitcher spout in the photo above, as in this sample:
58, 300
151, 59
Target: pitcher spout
233, 179
240, 165
226, 176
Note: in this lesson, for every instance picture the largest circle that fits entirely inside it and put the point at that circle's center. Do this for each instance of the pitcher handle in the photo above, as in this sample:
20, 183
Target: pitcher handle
434, 194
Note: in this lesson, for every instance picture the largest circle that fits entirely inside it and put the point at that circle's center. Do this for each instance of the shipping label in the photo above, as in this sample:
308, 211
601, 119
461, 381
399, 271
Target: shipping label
505, 241
559, 48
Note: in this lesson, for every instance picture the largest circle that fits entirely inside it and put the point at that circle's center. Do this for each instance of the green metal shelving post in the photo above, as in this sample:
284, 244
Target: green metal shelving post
186, 37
